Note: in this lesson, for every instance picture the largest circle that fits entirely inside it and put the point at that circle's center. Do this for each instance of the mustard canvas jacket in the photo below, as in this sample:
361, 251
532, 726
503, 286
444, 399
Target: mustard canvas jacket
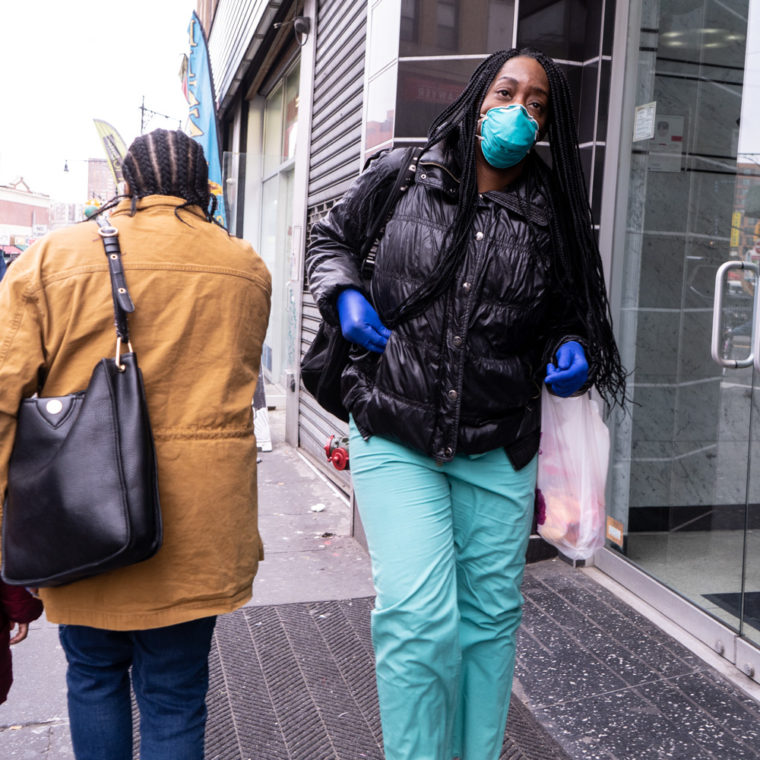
202, 301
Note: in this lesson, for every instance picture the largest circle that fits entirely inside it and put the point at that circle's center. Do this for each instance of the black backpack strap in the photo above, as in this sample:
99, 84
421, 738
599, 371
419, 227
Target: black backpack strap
404, 178
122, 303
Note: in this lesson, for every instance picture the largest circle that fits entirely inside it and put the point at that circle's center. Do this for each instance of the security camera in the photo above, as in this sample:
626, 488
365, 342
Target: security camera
301, 25
301, 29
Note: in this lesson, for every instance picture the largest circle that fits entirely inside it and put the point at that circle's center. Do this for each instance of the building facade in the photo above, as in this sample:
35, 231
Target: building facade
667, 103
24, 216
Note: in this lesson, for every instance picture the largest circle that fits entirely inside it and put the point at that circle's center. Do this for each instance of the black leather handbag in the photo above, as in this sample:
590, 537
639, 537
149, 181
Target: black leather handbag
82, 494
328, 355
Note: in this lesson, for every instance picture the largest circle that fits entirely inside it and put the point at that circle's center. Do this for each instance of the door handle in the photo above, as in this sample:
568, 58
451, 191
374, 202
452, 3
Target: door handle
754, 356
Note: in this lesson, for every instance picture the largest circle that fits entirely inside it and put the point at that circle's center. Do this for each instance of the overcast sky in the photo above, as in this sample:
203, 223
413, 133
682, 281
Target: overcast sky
64, 63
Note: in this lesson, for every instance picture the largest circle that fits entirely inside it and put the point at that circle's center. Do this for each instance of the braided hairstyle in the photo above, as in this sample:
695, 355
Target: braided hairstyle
575, 249
168, 162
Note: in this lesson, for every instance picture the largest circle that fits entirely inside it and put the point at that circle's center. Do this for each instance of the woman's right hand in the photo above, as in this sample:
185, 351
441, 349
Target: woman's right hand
360, 323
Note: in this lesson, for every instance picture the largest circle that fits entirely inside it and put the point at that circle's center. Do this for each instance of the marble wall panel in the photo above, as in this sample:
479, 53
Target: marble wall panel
734, 416
731, 472
697, 412
654, 414
657, 346
662, 271
711, 203
650, 483
667, 195
694, 473
694, 359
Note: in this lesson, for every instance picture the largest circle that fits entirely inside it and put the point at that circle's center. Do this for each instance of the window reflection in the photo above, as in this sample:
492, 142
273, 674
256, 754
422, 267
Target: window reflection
446, 27
565, 29
425, 88
410, 18
381, 97
446, 16
290, 127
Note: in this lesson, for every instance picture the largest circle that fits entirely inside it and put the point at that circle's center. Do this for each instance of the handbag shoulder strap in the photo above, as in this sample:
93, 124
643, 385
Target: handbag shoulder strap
122, 302
404, 178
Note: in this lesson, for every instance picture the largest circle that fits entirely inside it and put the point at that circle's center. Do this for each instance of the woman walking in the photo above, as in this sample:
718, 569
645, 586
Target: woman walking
201, 308
488, 282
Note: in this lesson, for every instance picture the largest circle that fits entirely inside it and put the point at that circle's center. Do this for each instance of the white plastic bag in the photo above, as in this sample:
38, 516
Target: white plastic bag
572, 472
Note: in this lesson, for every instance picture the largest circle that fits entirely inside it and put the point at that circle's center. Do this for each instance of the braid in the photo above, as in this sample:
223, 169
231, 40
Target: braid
572, 234
165, 162
457, 125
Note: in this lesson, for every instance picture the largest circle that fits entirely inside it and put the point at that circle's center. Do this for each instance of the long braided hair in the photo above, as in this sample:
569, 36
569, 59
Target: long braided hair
167, 162
574, 245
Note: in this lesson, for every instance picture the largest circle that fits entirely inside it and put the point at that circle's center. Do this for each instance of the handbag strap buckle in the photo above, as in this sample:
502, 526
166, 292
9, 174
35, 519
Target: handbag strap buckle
119, 366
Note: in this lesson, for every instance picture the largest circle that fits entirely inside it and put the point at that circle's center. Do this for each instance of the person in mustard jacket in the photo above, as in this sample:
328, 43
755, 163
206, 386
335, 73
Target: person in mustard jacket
202, 301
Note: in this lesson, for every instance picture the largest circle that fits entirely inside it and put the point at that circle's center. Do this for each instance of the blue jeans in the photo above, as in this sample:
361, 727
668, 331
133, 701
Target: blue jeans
447, 545
170, 680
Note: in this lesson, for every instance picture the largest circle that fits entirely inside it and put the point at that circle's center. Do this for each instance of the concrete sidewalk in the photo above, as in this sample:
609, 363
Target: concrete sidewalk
596, 674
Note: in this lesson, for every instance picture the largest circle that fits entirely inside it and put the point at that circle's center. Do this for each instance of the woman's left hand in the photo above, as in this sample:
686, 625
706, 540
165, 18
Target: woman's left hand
571, 371
21, 634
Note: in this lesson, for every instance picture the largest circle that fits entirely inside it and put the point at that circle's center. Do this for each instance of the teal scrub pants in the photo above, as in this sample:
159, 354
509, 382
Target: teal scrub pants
447, 544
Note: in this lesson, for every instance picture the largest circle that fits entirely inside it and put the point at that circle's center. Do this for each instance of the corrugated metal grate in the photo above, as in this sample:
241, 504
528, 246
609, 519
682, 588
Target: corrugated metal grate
296, 682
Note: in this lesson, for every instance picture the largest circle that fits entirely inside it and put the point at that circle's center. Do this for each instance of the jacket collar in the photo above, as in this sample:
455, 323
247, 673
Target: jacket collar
524, 196
156, 202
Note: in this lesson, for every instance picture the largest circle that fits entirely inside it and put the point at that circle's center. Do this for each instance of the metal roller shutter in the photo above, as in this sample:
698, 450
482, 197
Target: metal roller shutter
334, 163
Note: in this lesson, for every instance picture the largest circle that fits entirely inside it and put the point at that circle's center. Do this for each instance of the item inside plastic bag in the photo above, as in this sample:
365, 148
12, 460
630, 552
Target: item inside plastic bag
572, 474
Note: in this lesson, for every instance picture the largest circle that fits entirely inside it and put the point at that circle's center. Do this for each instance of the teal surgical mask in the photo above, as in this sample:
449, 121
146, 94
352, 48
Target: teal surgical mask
507, 133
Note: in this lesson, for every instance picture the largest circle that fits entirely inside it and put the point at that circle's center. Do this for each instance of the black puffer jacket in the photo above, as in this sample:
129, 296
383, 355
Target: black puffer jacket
465, 376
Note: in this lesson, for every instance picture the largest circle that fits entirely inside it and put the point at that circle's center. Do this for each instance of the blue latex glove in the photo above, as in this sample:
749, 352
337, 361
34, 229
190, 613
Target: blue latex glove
571, 371
360, 323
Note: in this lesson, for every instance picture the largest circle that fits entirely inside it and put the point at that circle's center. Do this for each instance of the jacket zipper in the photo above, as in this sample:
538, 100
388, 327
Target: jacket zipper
440, 166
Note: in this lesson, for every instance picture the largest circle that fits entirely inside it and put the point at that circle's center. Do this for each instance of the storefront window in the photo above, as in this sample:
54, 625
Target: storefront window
564, 29
446, 27
380, 109
290, 120
280, 130
273, 131
446, 17
410, 21
686, 473
425, 88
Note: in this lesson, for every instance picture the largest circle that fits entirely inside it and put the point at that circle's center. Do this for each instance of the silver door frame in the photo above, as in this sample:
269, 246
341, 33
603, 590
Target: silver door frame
684, 613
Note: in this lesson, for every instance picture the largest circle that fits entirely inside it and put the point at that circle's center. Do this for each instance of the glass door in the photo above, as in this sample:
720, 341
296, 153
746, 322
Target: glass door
685, 476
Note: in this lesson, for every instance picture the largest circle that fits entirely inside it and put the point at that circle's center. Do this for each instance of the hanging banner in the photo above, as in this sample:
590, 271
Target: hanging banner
114, 146
202, 125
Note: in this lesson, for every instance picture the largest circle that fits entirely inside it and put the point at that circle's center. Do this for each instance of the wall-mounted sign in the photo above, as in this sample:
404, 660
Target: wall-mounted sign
643, 121
667, 144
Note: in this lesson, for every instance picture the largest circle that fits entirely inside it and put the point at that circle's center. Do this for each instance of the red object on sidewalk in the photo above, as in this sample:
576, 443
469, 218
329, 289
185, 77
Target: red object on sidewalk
336, 450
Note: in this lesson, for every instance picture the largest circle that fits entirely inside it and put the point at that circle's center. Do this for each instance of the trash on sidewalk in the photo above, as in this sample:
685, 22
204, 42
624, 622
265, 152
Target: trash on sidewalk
318, 507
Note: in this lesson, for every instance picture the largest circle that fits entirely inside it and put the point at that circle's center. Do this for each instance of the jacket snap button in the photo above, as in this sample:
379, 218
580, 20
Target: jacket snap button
449, 451
452, 394
457, 340
466, 287
478, 235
